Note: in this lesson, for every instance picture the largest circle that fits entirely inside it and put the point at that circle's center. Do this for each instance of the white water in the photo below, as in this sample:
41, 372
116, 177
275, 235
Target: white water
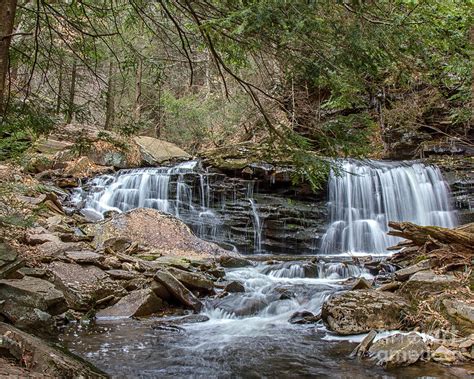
257, 227
365, 197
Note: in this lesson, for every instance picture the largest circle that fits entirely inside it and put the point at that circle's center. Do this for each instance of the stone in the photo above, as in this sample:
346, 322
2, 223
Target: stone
138, 303
229, 261
389, 287
161, 233
177, 290
155, 151
361, 284
460, 309
83, 286
234, 287
33, 271
51, 146
27, 318
443, 355
238, 305
39, 237
85, 257
122, 274
404, 273
398, 350
364, 346
34, 293
427, 282
161, 291
7, 269
104, 153
192, 280
355, 312
91, 215
43, 358
7, 253
112, 262
304, 317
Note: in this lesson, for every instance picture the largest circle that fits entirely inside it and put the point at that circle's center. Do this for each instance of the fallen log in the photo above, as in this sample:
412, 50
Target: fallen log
420, 235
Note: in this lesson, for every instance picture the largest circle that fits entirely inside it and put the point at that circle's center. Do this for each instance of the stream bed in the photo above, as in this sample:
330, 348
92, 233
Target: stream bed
246, 334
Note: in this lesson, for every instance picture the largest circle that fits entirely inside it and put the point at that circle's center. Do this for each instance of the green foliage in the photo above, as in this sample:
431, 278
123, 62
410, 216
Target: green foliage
22, 124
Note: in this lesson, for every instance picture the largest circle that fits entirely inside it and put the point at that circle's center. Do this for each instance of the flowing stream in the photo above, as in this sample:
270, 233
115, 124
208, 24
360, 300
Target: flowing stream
247, 334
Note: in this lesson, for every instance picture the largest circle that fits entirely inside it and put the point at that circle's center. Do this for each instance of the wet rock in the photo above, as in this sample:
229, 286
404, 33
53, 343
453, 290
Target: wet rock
364, 346
161, 233
122, 274
443, 355
189, 319
361, 284
178, 290
239, 305
398, 350
83, 286
154, 151
234, 287
304, 317
34, 293
229, 261
404, 273
41, 358
91, 215
138, 303
361, 311
426, 282
85, 257
192, 280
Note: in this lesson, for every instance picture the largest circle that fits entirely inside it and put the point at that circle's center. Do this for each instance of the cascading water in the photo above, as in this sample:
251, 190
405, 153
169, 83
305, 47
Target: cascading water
183, 190
365, 196
257, 227
248, 333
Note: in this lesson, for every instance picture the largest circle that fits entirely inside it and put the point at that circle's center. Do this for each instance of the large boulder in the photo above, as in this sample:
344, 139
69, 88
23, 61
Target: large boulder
161, 233
155, 151
138, 303
41, 358
398, 350
361, 311
83, 286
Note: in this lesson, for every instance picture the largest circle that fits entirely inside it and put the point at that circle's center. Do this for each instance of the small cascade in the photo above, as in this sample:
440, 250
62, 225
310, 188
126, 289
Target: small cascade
365, 196
257, 227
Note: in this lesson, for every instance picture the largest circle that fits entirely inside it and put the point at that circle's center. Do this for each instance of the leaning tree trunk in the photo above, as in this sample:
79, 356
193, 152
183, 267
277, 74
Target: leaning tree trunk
7, 19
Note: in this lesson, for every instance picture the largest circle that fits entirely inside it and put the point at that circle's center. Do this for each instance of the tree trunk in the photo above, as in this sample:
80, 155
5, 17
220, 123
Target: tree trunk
138, 90
72, 93
110, 99
7, 19
60, 87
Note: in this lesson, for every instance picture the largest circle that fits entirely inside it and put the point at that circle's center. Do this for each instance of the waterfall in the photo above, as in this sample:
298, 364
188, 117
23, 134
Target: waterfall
365, 196
257, 227
185, 191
